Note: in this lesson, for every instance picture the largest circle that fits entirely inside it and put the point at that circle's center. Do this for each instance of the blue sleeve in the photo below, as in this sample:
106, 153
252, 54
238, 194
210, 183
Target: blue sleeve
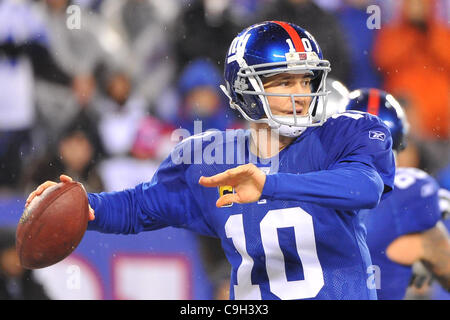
360, 167
348, 187
365, 140
165, 201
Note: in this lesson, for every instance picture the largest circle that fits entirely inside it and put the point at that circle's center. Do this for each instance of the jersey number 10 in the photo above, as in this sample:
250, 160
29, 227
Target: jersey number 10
302, 223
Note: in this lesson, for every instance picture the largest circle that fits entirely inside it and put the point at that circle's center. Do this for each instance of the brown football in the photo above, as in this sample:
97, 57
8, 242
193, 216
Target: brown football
52, 225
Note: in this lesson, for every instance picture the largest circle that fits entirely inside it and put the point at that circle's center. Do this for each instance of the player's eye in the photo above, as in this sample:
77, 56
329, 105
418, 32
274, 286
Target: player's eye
279, 83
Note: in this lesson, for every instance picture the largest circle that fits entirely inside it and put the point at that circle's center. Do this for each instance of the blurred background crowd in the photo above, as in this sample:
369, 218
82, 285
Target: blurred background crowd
100, 100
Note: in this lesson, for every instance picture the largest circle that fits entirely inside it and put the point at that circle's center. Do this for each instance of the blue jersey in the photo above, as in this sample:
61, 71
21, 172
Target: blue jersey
412, 207
303, 238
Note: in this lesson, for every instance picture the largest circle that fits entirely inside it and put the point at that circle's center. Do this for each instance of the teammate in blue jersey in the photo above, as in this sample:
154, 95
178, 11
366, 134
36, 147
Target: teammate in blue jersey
404, 228
283, 196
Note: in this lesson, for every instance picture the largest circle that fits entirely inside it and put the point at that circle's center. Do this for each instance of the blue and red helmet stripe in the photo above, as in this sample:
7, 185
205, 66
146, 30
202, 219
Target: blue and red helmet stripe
296, 40
373, 105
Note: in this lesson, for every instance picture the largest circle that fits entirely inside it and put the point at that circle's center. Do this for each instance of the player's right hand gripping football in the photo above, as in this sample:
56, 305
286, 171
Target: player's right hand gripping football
39, 190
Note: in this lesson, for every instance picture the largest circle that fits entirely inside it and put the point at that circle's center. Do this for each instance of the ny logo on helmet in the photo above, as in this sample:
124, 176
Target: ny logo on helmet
237, 48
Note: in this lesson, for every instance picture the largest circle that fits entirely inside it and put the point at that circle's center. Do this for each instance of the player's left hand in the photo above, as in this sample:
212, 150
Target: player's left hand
247, 180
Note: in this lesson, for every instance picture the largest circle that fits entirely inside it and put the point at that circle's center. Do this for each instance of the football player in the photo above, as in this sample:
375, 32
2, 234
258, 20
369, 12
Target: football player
289, 230
404, 228
215, 262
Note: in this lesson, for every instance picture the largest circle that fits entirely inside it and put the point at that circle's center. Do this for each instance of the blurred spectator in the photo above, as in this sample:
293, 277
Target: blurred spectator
145, 28
430, 156
60, 107
152, 144
410, 157
413, 53
330, 5
89, 4
153, 140
434, 155
78, 52
16, 283
323, 25
202, 100
353, 19
244, 12
120, 112
24, 54
76, 154
84, 87
206, 29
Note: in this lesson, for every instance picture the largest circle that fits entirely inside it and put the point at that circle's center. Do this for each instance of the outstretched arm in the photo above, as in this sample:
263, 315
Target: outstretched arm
350, 186
165, 201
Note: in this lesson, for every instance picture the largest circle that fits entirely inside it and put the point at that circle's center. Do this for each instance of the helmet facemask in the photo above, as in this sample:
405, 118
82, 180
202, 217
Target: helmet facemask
266, 49
249, 86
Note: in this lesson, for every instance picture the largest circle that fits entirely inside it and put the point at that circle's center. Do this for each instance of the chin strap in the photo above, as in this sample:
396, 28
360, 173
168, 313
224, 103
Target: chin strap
291, 132
285, 130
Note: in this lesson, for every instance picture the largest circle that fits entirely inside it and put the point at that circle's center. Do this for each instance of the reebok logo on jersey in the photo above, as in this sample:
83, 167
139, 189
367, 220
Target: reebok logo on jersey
377, 135
223, 190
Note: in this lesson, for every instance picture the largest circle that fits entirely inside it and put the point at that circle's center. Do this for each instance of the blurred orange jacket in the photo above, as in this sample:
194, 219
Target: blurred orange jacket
416, 65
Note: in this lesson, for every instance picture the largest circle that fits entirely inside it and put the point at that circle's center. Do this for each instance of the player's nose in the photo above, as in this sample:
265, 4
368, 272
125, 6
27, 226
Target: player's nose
300, 89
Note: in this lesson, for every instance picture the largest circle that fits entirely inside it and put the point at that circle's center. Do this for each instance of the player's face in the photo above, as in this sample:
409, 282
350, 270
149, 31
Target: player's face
288, 84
